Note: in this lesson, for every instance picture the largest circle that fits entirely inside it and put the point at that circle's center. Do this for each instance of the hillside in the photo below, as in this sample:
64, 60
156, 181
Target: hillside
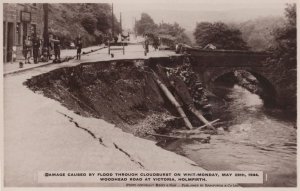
65, 20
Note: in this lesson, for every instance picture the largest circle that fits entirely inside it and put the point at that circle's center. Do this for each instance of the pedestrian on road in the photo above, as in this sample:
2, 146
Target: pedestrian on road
57, 49
79, 47
40, 48
55, 46
27, 49
51, 46
36, 47
146, 45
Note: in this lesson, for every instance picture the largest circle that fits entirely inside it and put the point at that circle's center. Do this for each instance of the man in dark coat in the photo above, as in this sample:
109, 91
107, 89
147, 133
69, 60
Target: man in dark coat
79, 47
57, 49
36, 46
27, 45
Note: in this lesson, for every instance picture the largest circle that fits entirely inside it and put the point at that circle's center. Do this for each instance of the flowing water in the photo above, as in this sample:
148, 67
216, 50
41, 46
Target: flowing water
257, 138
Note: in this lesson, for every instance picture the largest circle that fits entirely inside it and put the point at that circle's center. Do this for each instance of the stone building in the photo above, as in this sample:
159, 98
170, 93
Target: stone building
20, 20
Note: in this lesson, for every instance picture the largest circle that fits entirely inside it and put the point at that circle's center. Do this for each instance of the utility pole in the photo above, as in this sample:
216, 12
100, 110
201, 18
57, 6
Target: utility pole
121, 21
135, 27
112, 21
46, 33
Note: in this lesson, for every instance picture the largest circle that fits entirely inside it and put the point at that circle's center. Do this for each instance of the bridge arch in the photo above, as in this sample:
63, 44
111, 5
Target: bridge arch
210, 64
269, 90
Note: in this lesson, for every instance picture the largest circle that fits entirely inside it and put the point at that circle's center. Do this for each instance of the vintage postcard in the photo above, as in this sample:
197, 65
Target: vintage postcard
194, 94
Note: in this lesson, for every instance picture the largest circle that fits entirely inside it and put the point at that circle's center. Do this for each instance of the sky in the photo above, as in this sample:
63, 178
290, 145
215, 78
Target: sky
188, 12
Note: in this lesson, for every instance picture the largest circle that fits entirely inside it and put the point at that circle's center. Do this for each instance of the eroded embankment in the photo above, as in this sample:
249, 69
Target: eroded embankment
121, 92
124, 92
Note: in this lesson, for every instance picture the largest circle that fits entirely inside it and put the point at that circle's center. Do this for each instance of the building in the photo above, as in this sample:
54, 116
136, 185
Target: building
20, 20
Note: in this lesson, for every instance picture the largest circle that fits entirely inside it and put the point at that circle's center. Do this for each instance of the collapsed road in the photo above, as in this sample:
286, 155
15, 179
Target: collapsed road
128, 92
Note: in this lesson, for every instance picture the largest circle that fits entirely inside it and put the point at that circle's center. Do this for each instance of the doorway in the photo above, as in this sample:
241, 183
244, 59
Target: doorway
25, 27
10, 41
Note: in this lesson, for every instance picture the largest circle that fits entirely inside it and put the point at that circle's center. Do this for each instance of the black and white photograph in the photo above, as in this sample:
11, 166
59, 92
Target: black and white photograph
150, 93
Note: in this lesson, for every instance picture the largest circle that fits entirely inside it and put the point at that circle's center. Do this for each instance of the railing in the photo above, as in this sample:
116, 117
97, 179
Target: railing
122, 44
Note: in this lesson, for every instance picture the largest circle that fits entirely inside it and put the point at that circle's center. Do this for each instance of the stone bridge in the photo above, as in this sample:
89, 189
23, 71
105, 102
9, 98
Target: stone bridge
212, 64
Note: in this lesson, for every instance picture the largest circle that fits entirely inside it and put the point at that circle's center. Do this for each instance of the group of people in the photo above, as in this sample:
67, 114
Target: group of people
33, 47
154, 40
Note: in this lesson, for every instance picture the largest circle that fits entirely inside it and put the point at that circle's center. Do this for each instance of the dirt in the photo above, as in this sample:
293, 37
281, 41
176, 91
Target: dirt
121, 92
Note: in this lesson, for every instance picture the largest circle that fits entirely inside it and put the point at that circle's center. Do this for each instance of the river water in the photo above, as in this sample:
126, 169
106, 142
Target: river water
255, 138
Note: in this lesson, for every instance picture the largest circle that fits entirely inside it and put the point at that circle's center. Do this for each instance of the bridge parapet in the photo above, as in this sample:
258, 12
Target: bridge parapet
219, 52
228, 58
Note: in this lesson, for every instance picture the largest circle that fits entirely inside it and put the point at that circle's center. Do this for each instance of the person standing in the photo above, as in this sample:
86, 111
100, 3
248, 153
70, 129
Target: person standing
40, 48
55, 46
56, 49
79, 47
50, 46
36, 47
146, 45
27, 49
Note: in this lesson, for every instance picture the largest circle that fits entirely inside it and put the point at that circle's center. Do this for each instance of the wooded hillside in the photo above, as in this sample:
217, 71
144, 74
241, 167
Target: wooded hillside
91, 20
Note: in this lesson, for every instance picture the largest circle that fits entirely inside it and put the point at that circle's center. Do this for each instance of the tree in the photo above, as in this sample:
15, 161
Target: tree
89, 23
145, 25
220, 35
97, 16
285, 49
283, 60
103, 22
117, 26
174, 30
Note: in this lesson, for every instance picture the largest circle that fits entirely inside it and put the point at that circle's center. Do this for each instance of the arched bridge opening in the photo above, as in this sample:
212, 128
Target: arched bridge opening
251, 80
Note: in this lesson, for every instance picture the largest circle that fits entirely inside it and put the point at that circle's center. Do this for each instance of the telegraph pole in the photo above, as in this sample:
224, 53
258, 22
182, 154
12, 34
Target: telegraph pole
46, 33
121, 21
112, 21
135, 27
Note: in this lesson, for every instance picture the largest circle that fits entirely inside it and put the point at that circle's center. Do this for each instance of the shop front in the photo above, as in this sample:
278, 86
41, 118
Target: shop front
19, 22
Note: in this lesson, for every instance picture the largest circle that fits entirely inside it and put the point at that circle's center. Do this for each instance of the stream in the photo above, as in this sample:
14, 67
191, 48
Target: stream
256, 138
